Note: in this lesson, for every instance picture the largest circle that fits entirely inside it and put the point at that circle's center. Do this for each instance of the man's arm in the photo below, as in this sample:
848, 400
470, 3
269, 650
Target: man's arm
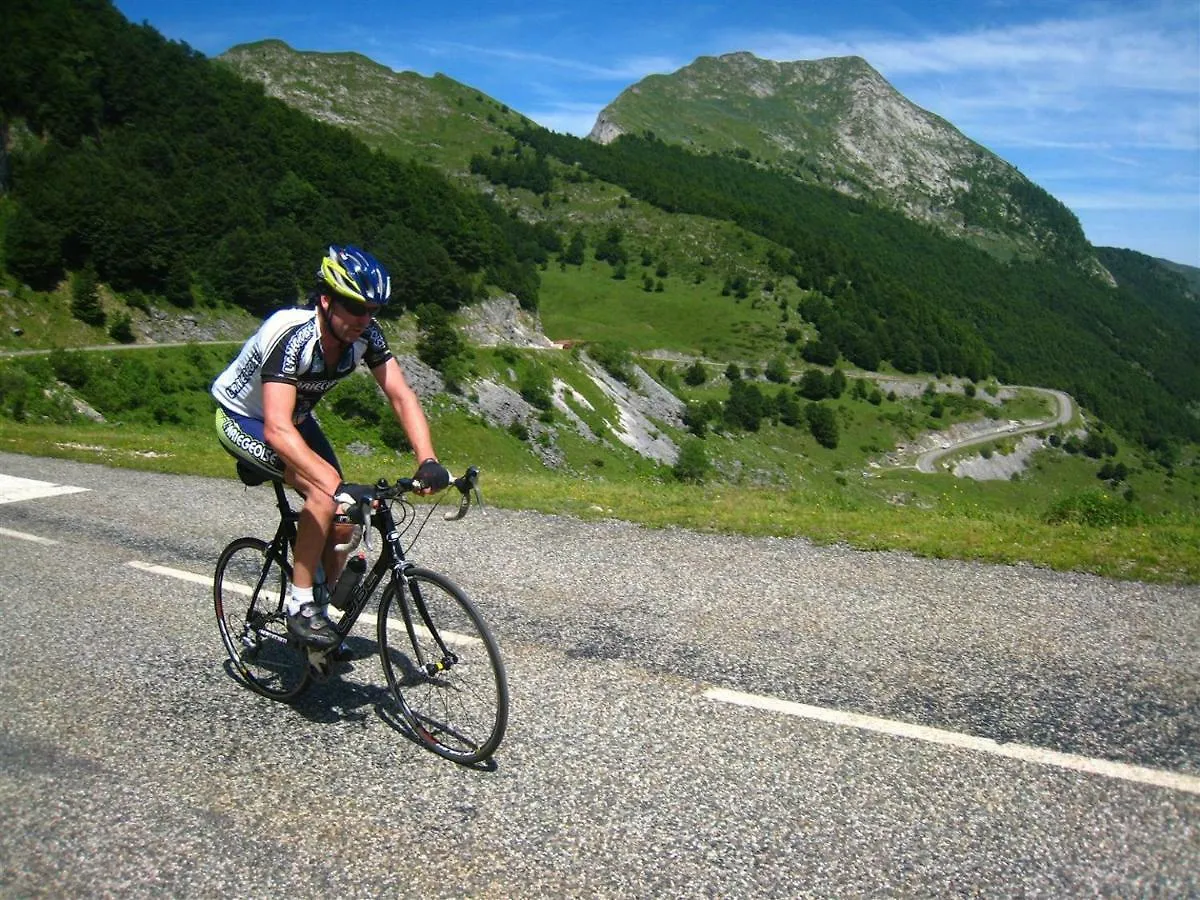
279, 401
407, 408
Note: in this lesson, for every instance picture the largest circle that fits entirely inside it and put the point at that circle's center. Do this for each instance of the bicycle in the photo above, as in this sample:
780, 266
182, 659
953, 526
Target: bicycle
445, 670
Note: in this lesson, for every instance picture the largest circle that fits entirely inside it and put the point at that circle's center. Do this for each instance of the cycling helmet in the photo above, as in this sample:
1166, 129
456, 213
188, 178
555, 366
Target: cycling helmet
356, 274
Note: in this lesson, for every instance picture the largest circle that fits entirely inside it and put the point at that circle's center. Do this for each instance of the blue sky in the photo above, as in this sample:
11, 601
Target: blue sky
1097, 102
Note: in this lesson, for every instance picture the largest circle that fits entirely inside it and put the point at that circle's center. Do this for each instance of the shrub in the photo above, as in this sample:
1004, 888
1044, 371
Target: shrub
358, 400
777, 370
814, 384
121, 329
537, 388
70, 366
391, 432
1094, 508
85, 298
616, 360
696, 417
822, 423
696, 374
692, 464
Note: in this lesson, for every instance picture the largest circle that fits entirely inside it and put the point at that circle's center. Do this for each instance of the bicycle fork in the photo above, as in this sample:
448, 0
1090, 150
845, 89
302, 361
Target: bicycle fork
410, 588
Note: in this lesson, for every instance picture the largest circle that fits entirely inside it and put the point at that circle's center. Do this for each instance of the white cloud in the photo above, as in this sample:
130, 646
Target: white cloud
624, 71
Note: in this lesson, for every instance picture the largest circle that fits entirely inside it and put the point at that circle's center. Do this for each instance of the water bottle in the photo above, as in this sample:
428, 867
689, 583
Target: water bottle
343, 591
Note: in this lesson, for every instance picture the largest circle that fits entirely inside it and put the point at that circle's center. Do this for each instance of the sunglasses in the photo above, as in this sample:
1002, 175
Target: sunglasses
357, 307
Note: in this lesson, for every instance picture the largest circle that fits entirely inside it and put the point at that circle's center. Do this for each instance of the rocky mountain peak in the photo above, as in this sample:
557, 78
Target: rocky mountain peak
837, 121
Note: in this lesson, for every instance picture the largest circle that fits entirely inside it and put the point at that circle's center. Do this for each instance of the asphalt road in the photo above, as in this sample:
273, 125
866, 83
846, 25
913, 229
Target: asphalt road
927, 461
133, 764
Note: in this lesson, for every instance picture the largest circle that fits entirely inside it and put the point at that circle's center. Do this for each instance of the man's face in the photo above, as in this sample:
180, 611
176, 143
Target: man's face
348, 318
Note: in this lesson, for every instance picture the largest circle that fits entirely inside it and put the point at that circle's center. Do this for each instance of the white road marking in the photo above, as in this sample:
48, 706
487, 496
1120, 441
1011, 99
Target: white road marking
1041, 756
174, 573
26, 537
14, 489
1108, 768
206, 580
450, 637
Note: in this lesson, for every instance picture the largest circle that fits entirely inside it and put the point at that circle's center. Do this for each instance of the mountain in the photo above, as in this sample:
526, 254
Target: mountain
838, 122
157, 171
433, 119
1189, 274
894, 291
168, 174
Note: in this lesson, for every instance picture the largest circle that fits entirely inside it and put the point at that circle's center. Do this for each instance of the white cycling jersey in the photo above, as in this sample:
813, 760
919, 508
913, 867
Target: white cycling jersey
287, 348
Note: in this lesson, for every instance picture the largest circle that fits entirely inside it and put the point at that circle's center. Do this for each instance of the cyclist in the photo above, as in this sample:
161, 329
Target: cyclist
264, 416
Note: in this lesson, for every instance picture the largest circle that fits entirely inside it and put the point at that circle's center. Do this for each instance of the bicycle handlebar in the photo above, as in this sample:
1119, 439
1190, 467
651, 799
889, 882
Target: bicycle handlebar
466, 483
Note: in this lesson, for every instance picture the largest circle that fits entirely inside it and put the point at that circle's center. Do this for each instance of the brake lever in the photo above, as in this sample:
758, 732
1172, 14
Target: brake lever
362, 533
464, 503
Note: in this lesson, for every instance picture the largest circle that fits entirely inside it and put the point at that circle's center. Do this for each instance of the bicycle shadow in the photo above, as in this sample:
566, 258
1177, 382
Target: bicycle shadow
391, 717
336, 699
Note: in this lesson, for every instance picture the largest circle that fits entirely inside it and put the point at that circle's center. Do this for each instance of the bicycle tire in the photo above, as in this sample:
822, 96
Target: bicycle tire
456, 704
248, 591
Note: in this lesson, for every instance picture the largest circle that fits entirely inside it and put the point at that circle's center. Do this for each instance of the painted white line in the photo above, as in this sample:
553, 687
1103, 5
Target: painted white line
173, 573
206, 580
1124, 771
14, 489
26, 537
450, 637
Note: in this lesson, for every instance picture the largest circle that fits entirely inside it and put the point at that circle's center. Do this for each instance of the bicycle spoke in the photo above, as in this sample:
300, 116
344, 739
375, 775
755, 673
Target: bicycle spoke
248, 593
444, 668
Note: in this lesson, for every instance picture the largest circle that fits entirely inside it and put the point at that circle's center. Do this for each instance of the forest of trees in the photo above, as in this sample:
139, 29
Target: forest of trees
165, 173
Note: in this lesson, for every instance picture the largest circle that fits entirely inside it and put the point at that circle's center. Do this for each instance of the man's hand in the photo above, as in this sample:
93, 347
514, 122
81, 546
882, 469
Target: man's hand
432, 476
354, 499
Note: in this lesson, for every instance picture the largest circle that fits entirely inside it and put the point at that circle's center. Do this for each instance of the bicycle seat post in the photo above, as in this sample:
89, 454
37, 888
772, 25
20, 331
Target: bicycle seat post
281, 500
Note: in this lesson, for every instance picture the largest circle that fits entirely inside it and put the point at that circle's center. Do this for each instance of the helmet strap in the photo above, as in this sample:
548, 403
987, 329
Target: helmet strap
327, 317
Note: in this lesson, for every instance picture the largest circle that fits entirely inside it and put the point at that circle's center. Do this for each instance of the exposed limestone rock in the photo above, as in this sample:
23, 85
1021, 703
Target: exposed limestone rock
501, 321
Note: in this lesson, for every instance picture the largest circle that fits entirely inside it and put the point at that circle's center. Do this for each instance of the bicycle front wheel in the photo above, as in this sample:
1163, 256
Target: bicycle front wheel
248, 592
443, 666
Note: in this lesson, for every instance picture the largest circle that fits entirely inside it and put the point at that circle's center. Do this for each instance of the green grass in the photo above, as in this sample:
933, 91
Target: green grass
777, 481
31, 320
935, 516
588, 301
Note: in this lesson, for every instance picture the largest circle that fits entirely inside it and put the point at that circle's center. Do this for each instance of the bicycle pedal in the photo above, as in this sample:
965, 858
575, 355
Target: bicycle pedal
318, 664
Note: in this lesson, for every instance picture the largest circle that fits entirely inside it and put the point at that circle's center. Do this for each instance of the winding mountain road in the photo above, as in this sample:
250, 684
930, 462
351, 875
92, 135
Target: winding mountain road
927, 461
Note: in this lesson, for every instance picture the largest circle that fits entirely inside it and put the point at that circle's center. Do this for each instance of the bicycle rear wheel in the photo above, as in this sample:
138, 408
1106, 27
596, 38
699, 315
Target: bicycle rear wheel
248, 592
443, 666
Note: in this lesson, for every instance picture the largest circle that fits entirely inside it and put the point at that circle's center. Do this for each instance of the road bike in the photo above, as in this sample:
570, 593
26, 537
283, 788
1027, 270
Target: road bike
442, 663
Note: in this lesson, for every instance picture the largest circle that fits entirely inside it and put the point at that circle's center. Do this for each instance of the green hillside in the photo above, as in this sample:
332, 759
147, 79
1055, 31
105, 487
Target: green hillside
436, 120
838, 123
804, 336
865, 284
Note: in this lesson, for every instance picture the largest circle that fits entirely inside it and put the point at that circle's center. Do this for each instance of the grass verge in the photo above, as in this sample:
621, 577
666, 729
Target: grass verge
1165, 549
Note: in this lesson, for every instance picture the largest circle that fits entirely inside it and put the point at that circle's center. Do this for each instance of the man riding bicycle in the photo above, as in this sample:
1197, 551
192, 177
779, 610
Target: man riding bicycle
264, 417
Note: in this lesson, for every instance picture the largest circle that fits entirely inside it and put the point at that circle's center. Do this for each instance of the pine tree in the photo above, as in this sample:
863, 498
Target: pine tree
85, 298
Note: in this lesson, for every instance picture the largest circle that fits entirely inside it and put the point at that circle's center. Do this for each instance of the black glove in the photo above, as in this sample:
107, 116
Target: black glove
432, 475
354, 497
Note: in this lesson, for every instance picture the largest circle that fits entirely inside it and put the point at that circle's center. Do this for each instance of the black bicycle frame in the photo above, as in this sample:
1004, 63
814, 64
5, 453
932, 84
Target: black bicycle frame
390, 559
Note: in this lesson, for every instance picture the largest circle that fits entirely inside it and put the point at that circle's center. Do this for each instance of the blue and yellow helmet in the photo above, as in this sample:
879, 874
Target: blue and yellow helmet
356, 274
